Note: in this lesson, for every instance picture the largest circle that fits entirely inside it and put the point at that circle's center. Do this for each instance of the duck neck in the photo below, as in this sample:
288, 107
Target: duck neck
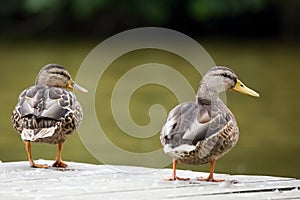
205, 95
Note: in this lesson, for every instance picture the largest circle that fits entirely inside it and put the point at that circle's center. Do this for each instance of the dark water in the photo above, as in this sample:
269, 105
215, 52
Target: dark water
269, 141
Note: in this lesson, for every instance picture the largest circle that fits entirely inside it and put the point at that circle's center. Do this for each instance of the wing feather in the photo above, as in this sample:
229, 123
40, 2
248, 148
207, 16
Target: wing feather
41, 108
190, 123
47, 102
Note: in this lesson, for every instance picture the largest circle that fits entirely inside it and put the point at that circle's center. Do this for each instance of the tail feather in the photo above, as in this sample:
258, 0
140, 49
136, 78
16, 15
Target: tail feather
32, 135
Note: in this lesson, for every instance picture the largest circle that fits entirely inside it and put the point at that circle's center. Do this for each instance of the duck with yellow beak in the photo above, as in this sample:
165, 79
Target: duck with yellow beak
48, 112
200, 132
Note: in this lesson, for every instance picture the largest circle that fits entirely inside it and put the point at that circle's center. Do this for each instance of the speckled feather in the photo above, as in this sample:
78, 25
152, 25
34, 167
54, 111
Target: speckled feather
43, 109
197, 132
206, 140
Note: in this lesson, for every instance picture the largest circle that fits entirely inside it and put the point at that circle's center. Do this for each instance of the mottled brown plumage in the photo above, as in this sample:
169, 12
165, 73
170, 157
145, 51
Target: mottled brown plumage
48, 112
200, 132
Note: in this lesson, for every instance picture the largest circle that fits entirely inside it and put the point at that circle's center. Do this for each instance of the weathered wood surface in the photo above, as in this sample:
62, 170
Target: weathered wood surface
86, 181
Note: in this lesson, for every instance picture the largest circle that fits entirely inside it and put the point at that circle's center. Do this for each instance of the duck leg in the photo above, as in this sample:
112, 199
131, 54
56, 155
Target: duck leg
58, 162
211, 173
31, 162
174, 177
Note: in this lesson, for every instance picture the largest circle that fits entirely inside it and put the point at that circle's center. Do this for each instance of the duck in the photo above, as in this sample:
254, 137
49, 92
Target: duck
48, 112
202, 131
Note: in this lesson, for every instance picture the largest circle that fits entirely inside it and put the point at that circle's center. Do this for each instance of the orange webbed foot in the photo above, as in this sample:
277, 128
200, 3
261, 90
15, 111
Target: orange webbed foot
174, 178
34, 165
59, 164
210, 179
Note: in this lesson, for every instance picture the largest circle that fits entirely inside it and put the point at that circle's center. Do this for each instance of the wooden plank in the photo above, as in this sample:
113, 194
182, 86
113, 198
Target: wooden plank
83, 181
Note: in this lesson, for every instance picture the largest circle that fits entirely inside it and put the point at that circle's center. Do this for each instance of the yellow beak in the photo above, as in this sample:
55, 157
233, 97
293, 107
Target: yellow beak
73, 85
242, 88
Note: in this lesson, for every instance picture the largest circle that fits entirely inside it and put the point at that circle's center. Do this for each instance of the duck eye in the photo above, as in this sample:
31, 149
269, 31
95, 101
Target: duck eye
224, 75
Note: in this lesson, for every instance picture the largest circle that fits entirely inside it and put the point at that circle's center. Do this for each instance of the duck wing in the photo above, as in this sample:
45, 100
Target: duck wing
47, 102
189, 123
41, 109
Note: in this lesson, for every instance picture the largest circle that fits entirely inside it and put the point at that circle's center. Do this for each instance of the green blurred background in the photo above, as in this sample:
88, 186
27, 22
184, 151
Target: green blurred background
258, 39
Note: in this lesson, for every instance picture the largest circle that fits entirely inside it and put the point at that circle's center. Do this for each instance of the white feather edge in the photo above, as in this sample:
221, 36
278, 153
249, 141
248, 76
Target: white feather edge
28, 134
175, 152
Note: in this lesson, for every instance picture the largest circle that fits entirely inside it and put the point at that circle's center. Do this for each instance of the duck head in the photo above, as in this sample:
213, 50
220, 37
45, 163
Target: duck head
54, 75
219, 79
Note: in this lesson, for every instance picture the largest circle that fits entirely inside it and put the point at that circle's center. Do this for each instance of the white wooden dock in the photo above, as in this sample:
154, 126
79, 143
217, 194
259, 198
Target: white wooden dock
86, 181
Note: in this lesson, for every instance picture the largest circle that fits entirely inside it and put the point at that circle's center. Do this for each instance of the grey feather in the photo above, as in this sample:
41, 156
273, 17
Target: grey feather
48, 111
197, 132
